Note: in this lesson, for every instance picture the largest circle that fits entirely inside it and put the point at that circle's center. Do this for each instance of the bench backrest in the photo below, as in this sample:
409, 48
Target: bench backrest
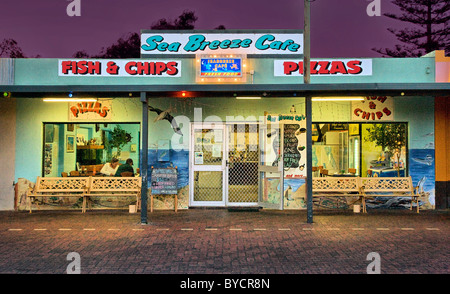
105, 184
61, 184
381, 184
330, 184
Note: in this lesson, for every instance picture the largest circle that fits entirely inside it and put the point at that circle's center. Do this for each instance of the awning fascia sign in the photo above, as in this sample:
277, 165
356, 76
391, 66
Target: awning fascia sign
118, 68
324, 67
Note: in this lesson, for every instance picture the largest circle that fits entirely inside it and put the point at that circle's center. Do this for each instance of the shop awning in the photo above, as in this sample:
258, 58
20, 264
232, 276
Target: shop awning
228, 90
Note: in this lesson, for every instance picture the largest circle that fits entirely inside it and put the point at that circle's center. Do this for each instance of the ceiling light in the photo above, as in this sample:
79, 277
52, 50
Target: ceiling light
337, 99
69, 99
248, 98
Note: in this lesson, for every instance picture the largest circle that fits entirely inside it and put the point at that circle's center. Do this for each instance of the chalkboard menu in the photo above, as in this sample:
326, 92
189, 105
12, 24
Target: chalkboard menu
291, 152
164, 181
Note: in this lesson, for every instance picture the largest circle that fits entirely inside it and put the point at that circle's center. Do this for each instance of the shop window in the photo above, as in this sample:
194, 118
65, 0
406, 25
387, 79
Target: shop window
86, 147
359, 149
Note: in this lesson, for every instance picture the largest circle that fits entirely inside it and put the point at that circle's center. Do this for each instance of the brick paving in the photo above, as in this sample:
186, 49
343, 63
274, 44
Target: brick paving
218, 241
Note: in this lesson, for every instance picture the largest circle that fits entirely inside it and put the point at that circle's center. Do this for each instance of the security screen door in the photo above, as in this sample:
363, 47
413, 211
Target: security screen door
242, 164
270, 166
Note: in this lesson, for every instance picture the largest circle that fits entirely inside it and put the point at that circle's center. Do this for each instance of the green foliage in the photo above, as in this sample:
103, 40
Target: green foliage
128, 46
390, 137
10, 48
427, 29
119, 137
186, 21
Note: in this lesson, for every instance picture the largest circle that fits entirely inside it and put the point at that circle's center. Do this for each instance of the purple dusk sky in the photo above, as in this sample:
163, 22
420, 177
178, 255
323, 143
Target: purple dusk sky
339, 28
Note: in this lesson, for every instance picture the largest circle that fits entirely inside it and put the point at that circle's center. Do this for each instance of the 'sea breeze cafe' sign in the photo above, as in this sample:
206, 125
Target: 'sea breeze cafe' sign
226, 43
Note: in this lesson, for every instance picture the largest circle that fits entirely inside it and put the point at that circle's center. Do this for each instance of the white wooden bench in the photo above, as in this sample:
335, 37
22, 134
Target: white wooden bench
46, 187
85, 187
338, 187
390, 187
366, 188
114, 187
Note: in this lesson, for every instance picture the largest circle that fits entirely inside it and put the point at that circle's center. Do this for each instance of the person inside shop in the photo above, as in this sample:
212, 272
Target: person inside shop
110, 168
396, 159
127, 167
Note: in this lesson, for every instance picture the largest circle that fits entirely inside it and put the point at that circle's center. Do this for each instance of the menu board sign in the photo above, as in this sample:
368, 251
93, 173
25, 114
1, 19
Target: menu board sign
164, 181
294, 143
294, 157
291, 155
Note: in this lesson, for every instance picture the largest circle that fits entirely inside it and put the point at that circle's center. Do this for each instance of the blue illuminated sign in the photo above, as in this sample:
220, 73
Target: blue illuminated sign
221, 67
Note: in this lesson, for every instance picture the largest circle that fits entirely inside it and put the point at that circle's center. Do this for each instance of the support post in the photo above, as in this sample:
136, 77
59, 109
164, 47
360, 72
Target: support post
309, 191
306, 42
144, 161
306, 80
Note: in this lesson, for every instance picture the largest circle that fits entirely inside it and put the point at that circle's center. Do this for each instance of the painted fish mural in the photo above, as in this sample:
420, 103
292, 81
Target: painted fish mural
428, 160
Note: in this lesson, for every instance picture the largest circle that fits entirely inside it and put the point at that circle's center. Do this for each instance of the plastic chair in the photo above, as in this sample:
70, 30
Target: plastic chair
315, 169
323, 172
74, 173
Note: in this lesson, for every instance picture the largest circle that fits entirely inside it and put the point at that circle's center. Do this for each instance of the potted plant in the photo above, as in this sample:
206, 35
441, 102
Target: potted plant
119, 137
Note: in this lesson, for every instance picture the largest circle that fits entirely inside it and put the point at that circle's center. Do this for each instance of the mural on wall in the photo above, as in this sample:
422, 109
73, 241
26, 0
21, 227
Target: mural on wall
165, 115
422, 169
271, 189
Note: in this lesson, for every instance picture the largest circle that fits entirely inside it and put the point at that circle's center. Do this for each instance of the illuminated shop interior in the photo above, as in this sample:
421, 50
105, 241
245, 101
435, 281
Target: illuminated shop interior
86, 147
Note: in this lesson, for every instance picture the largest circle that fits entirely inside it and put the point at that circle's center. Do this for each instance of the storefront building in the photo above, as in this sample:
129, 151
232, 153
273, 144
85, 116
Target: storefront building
236, 130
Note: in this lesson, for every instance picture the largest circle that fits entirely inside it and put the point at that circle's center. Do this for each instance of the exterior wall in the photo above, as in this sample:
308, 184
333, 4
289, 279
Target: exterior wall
7, 153
418, 112
442, 127
442, 117
31, 113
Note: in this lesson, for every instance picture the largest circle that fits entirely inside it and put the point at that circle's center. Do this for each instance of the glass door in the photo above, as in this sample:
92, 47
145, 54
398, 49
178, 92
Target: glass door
207, 172
270, 168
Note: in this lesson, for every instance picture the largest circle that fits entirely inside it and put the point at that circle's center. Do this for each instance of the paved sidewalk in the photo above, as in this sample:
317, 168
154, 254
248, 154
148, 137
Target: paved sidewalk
216, 241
